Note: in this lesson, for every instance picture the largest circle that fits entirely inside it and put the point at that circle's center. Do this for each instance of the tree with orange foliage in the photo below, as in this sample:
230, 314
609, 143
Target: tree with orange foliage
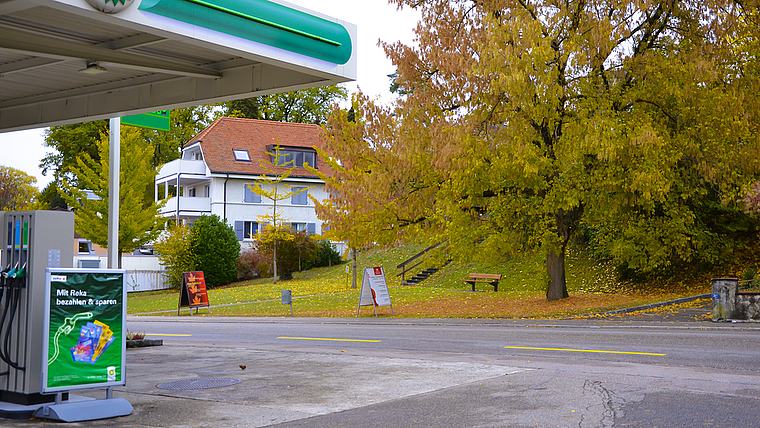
520, 121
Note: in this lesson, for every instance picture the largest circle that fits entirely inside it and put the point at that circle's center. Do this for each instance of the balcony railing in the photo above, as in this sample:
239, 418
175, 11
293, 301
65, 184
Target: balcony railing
187, 206
180, 166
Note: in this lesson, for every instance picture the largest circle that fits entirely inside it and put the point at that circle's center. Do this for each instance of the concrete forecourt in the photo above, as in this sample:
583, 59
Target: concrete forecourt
319, 372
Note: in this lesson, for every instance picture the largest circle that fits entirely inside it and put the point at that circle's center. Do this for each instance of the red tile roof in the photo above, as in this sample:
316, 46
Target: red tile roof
229, 133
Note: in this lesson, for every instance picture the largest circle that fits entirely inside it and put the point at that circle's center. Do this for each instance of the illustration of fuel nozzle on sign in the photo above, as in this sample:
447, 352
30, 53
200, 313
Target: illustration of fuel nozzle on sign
94, 339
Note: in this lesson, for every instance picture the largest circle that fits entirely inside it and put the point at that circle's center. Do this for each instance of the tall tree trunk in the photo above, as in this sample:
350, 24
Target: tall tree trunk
555, 267
274, 262
353, 255
565, 223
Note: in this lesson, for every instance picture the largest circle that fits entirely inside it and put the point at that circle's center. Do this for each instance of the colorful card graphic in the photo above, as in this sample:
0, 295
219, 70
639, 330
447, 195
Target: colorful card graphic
94, 339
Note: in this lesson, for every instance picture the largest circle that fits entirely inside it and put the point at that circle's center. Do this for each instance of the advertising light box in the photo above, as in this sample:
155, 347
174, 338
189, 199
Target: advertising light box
85, 326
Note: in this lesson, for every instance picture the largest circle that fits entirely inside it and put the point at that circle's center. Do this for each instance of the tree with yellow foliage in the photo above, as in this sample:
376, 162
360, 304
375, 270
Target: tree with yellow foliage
521, 121
273, 185
17, 190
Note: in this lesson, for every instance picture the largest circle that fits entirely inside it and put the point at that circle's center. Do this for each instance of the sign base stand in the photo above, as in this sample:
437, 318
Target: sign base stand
76, 408
85, 410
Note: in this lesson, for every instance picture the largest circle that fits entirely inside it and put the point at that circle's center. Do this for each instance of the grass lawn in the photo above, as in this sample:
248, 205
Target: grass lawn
327, 292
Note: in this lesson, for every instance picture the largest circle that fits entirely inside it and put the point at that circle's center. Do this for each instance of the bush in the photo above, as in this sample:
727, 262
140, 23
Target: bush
326, 255
292, 253
215, 248
298, 253
252, 264
173, 251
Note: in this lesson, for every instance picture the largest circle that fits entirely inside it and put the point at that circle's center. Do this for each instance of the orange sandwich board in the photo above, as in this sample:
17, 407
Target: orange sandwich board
193, 292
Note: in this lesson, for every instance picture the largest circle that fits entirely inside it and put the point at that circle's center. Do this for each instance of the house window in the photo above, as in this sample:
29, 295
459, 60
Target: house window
300, 196
191, 192
297, 157
250, 228
241, 155
197, 156
89, 264
206, 191
250, 196
246, 229
85, 246
310, 228
285, 159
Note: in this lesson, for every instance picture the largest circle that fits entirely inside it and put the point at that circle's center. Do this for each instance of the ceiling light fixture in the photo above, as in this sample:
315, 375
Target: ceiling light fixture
93, 68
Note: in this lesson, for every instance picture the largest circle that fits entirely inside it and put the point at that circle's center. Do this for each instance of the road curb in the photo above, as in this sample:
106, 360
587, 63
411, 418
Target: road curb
649, 306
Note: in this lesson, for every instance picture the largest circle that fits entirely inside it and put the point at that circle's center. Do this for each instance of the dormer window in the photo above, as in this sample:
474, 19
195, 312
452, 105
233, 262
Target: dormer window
293, 156
241, 155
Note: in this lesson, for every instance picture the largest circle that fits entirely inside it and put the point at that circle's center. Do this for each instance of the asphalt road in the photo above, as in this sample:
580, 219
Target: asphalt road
382, 372
673, 345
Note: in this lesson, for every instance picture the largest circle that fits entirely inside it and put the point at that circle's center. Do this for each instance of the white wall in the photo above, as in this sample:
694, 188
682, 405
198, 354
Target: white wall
238, 210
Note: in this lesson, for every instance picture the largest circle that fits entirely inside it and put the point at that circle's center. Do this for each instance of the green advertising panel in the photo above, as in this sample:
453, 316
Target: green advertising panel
84, 334
160, 120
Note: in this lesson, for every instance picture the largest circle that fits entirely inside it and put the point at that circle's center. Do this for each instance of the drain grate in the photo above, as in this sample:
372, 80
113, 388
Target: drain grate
199, 383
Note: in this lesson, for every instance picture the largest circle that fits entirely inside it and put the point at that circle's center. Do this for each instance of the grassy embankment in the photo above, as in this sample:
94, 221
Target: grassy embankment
326, 292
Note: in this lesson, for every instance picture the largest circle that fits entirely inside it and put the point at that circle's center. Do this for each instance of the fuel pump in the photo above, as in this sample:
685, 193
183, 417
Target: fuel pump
14, 281
30, 241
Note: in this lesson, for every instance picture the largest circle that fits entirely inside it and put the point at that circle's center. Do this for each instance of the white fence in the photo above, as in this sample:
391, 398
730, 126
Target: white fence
144, 273
146, 280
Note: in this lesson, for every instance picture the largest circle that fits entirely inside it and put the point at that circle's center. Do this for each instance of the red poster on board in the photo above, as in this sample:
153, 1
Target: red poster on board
193, 291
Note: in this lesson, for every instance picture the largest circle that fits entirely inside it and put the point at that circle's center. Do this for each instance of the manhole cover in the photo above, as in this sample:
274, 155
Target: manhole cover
200, 383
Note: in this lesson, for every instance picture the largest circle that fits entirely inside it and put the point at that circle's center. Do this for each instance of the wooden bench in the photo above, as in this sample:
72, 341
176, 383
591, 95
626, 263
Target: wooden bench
489, 278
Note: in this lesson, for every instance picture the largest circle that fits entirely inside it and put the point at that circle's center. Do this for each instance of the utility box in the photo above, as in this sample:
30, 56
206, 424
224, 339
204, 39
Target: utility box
30, 242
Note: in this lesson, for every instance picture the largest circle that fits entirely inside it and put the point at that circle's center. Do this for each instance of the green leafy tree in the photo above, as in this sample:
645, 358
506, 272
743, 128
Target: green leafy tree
139, 222
173, 251
325, 255
304, 106
17, 190
522, 121
51, 197
215, 250
272, 184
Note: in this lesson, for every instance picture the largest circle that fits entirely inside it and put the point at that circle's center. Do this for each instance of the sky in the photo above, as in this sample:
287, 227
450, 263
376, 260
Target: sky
375, 20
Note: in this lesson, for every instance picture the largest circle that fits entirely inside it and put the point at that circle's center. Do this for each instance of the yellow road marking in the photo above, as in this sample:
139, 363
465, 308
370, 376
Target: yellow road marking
323, 338
584, 350
177, 335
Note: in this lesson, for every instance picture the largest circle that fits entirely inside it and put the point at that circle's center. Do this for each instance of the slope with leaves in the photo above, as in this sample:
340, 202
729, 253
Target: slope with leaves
326, 292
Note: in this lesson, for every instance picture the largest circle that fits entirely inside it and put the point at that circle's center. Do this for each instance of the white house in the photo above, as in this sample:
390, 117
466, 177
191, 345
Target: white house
212, 175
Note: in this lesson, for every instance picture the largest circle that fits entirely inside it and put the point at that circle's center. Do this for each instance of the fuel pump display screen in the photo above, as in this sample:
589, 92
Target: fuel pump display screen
84, 344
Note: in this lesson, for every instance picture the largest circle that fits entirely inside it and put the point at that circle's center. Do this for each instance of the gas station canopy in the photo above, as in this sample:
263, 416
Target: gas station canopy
70, 61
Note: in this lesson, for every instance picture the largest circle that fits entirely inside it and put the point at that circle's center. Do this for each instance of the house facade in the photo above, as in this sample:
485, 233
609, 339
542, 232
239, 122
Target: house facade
218, 165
